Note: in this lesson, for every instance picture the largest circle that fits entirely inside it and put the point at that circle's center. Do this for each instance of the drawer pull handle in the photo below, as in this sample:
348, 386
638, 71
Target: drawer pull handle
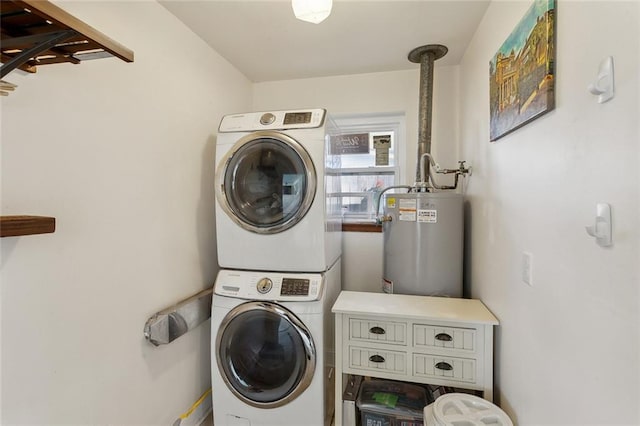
376, 358
377, 330
444, 366
443, 337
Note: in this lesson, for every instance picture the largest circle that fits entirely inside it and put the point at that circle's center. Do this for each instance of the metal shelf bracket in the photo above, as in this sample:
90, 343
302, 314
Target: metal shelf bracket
37, 32
43, 42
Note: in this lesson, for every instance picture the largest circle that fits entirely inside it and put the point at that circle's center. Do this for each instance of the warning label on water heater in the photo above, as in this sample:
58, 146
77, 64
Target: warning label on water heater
428, 216
407, 209
391, 203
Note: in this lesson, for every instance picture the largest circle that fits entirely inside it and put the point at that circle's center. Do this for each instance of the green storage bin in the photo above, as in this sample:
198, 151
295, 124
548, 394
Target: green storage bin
389, 403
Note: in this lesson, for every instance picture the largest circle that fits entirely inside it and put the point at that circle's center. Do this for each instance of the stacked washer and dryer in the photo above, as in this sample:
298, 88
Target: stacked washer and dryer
279, 247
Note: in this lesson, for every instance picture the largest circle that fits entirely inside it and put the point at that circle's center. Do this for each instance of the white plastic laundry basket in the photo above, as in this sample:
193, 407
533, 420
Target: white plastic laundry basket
461, 409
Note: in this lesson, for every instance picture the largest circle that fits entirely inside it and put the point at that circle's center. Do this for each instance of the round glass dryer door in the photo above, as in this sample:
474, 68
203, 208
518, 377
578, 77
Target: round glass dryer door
265, 354
266, 183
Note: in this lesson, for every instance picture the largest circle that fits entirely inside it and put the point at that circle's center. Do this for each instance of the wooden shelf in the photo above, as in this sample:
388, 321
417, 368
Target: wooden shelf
14, 226
37, 32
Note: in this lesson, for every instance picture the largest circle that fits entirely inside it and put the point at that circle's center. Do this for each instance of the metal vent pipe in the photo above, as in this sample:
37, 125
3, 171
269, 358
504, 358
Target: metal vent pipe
425, 56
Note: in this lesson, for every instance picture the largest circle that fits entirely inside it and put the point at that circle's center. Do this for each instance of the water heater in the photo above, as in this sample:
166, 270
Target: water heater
423, 243
423, 228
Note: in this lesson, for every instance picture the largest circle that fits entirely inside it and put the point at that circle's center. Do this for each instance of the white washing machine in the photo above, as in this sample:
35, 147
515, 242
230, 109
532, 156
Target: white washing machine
272, 347
274, 205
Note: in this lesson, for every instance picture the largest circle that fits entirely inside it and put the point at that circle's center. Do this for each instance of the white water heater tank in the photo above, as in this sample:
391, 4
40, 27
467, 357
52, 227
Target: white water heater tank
423, 243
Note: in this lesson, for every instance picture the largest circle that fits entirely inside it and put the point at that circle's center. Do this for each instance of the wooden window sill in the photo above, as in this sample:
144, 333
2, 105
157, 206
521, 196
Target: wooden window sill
361, 227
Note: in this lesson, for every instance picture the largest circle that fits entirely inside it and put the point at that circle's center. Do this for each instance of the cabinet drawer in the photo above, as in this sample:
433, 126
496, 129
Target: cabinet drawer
378, 360
368, 330
433, 336
458, 369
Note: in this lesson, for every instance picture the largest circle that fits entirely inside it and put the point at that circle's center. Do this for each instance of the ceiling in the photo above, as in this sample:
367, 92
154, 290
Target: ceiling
266, 42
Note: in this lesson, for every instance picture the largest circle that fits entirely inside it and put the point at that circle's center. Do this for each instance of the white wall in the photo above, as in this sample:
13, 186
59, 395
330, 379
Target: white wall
122, 155
567, 347
371, 94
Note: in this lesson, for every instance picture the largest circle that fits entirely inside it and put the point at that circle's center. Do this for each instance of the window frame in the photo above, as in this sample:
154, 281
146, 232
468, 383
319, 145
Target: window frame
373, 123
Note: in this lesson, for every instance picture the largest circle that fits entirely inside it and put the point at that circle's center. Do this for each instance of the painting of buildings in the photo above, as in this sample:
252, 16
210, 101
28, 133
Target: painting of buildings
522, 71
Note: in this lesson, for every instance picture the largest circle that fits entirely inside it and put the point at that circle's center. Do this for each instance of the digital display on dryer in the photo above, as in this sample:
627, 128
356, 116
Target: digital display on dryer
297, 118
294, 287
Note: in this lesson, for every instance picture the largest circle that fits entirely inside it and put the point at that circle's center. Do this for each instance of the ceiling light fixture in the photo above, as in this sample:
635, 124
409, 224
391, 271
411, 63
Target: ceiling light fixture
314, 11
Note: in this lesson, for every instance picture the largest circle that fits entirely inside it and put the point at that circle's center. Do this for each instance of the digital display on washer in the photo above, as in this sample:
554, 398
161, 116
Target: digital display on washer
294, 287
297, 118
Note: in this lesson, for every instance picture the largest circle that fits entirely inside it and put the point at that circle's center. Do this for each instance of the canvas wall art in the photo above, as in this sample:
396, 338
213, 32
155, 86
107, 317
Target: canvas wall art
522, 72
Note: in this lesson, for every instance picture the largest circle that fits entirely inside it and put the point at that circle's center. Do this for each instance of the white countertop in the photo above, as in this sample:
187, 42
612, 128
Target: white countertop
420, 307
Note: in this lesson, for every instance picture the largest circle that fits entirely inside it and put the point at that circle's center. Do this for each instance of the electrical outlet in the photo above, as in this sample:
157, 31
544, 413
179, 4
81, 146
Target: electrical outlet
527, 268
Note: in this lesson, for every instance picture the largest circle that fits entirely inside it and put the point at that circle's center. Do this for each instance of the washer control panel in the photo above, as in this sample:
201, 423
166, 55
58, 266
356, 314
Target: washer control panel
295, 287
273, 120
274, 286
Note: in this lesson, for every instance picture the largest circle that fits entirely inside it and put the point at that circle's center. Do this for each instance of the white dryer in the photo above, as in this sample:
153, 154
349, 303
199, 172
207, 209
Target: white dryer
272, 348
276, 208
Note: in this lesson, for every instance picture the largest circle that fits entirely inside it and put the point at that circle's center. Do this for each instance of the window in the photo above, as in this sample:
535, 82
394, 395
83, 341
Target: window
368, 148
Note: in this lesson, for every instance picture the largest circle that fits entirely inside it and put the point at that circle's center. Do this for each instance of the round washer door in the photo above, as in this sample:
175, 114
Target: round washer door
266, 183
265, 354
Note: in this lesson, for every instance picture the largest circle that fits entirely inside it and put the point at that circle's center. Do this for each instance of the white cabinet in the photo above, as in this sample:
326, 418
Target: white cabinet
420, 339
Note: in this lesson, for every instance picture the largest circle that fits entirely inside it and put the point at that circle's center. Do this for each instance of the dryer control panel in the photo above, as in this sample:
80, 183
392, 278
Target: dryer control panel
273, 120
274, 286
